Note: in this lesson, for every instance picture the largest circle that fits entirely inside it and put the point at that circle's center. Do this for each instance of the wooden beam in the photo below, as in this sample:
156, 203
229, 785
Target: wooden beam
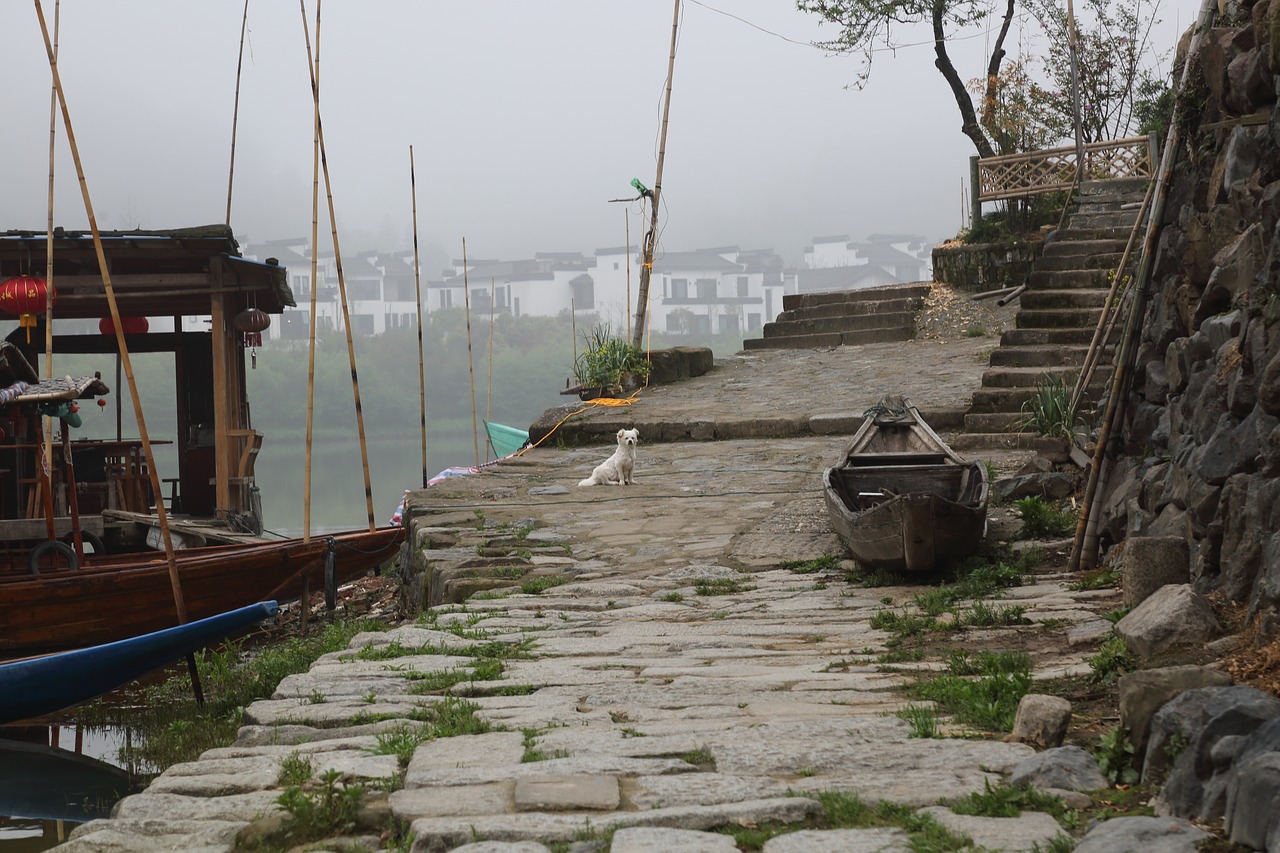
221, 414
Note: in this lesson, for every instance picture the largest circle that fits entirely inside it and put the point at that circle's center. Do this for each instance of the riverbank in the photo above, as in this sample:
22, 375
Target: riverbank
662, 664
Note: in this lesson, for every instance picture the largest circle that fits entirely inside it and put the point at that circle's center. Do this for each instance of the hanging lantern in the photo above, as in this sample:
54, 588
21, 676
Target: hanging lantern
25, 296
252, 321
131, 325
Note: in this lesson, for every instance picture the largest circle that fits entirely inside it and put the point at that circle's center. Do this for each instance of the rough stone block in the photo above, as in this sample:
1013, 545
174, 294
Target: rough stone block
1041, 720
1068, 767
1150, 562
1163, 834
643, 839
1253, 802
1176, 616
1142, 693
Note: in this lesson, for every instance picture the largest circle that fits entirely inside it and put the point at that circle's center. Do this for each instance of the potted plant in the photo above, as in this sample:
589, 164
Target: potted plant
608, 366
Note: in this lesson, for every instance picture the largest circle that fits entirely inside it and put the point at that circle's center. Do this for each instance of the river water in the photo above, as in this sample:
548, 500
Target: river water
53, 778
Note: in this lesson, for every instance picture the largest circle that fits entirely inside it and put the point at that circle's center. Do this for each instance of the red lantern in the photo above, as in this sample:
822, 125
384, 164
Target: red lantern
131, 325
26, 296
252, 321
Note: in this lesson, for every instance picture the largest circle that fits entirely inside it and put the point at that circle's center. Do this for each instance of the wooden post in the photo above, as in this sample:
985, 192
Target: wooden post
975, 190
466, 302
651, 238
417, 292
221, 410
315, 228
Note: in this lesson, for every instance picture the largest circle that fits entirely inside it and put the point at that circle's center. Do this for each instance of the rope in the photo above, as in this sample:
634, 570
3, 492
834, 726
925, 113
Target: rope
609, 402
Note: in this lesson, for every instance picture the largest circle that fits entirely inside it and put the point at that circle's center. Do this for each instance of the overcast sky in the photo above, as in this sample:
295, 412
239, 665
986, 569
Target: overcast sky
525, 119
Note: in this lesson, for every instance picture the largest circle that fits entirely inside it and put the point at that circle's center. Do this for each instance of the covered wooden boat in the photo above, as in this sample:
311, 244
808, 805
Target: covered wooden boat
115, 597
42, 685
901, 499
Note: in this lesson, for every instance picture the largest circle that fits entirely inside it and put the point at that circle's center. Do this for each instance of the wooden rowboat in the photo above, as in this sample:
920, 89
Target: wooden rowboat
42, 685
48, 783
115, 597
901, 499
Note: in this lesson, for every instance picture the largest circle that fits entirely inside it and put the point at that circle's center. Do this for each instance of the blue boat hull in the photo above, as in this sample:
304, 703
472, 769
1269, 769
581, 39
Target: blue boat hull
30, 688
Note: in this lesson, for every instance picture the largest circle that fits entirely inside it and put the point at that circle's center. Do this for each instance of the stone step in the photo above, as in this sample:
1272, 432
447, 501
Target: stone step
1000, 434
829, 339
1059, 318
1085, 243
1028, 377
1046, 336
1113, 188
1035, 299
993, 400
851, 308
1089, 279
794, 301
1044, 356
1105, 219
1011, 400
842, 323
1094, 261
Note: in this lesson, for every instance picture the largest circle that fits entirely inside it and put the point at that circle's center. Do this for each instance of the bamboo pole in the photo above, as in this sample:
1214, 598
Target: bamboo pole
161, 516
1094, 353
311, 340
626, 215
650, 239
417, 292
488, 403
44, 472
235, 110
466, 302
337, 262
1084, 546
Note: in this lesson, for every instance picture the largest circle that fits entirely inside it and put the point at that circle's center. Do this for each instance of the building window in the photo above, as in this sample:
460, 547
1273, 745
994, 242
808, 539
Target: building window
365, 291
706, 289
753, 322
742, 285
362, 324
679, 288
480, 299
615, 265
446, 299
702, 324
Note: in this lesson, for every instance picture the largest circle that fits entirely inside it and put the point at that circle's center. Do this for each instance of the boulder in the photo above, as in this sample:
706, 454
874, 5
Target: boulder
1148, 834
1067, 767
1150, 562
1175, 616
1142, 693
1214, 723
1253, 803
1054, 485
1041, 720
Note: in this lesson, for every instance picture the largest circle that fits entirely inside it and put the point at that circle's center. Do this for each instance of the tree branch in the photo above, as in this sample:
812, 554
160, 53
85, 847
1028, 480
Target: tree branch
970, 127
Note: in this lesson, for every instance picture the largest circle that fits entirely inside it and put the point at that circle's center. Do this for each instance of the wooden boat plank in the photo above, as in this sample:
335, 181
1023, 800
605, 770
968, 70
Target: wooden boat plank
127, 596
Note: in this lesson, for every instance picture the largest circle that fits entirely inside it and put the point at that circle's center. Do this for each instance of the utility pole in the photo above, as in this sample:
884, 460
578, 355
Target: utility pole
651, 238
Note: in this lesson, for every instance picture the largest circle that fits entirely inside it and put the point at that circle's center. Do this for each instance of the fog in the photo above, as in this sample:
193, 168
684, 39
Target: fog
525, 120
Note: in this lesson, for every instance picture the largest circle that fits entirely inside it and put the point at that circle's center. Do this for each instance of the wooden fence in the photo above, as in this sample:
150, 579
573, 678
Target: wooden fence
1054, 169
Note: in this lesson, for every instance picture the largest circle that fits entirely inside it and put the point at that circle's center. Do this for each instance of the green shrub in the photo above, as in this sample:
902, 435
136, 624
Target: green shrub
1041, 518
1048, 412
605, 359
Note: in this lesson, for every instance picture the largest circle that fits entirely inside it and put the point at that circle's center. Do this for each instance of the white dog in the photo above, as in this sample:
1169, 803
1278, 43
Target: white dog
616, 470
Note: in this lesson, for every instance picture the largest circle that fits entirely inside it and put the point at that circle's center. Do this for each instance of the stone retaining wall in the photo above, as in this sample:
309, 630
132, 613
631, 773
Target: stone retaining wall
982, 267
1202, 427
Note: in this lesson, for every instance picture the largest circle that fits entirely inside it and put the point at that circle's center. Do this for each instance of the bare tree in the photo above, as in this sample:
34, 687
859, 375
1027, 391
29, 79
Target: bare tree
868, 25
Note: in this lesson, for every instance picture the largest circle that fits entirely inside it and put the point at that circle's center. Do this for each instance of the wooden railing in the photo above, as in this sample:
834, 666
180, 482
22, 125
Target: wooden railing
1054, 169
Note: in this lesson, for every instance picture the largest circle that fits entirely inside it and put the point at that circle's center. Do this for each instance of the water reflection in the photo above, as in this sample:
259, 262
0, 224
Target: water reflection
53, 778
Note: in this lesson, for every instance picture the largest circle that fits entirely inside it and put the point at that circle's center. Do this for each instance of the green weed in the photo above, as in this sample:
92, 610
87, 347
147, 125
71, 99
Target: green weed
1112, 660
295, 770
538, 585
331, 809
1115, 757
401, 742
720, 586
826, 562
1048, 412
1041, 519
922, 719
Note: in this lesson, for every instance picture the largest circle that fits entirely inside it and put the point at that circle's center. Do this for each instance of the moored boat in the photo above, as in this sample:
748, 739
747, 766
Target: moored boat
43, 685
901, 499
115, 597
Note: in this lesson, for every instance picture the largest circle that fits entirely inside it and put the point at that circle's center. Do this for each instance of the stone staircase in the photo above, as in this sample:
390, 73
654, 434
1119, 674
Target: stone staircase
1058, 313
842, 318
